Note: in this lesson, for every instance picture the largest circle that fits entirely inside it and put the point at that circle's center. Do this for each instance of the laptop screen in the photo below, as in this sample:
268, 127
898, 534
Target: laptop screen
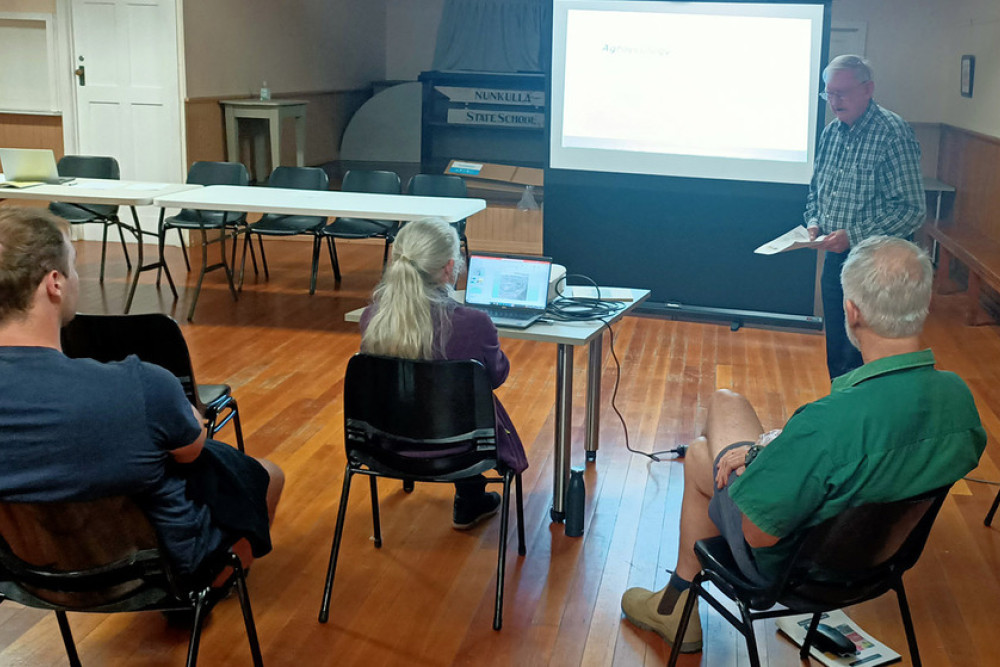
508, 280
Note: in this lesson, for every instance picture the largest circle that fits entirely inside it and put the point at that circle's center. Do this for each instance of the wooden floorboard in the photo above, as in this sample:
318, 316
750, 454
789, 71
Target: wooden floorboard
426, 597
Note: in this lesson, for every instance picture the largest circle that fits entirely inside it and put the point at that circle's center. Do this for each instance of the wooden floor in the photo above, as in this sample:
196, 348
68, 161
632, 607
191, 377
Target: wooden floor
426, 597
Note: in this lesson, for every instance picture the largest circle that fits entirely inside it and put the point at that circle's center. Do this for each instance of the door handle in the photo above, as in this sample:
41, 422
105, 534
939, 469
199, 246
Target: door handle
81, 74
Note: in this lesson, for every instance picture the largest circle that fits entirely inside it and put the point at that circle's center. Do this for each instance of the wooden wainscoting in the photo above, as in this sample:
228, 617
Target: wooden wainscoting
24, 130
971, 162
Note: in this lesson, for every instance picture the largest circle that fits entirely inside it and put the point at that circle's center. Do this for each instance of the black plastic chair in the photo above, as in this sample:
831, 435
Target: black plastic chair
855, 556
272, 224
226, 223
157, 339
424, 421
442, 185
92, 166
361, 180
103, 556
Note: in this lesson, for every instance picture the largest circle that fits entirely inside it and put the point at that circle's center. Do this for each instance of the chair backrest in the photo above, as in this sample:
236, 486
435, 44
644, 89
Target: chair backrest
299, 178
153, 337
419, 418
437, 185
862, 551
76, 555
87, 166
218, 173
365, 180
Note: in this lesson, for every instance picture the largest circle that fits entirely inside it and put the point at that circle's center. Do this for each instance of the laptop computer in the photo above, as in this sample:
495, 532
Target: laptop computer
512, 289
29, 166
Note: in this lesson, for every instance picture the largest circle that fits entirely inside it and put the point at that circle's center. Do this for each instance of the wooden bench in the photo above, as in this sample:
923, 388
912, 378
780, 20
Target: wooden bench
978, 252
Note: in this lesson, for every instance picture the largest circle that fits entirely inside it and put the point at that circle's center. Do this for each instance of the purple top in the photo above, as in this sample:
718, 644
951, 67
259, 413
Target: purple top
473, 336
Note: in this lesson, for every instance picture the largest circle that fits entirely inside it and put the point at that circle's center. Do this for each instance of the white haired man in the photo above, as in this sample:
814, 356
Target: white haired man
867, 182
891, 429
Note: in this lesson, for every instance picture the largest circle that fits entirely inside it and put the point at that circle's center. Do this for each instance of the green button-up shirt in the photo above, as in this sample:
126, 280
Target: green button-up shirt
892, 429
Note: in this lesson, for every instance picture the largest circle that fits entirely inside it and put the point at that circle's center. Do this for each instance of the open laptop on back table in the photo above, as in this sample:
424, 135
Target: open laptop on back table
512, 289
28, 166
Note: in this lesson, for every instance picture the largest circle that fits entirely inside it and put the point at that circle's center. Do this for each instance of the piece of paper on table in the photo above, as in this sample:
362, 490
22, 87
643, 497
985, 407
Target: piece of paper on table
791, 240
871, 652
606, 293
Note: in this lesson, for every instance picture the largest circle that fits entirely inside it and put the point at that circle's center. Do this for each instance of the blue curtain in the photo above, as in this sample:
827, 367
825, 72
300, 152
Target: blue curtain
493, 35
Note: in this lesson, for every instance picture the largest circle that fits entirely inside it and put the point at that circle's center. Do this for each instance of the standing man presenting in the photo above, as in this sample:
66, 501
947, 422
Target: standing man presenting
867, 182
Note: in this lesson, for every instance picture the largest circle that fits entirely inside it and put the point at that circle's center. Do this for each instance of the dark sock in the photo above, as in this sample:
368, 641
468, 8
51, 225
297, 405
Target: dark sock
675, 587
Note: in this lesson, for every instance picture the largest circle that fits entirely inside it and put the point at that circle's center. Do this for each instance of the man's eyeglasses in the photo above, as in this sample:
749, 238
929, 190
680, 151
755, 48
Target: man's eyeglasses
833, 95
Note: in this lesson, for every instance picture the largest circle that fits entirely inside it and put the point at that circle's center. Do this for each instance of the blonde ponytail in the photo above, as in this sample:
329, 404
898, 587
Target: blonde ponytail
413, 300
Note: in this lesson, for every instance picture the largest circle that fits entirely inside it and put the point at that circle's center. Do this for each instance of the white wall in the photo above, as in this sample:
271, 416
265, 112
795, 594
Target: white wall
974, 28
303, 46
411, 34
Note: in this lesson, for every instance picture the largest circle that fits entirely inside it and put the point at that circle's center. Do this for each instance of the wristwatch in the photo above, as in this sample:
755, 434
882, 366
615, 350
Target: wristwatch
752, 454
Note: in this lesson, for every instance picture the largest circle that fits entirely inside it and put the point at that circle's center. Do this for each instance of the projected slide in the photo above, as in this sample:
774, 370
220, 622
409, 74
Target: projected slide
717, 90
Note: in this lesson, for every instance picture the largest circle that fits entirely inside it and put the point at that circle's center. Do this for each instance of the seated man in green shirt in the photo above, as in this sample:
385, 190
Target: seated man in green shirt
891, 429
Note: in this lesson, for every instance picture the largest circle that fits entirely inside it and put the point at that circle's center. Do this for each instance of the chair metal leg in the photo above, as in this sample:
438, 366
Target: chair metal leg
214, 425
121, 237
376, 522
338, 532
502, 550
748, 634
263, 257
226, 267
331, 246
244, 596
519, 499
993, 510
693, 593
911, 635
180, 236
104, 250
199, 619
317, 241
67, 637
810, 636
201, 276
385, 253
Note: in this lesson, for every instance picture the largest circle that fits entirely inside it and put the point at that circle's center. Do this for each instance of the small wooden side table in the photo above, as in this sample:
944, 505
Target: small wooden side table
274, 112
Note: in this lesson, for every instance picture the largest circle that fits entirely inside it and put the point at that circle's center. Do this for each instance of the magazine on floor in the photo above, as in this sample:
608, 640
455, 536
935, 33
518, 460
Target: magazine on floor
870, 651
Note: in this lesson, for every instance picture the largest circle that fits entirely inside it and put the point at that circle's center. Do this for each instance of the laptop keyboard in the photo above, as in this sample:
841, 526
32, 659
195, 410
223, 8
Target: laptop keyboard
508, 314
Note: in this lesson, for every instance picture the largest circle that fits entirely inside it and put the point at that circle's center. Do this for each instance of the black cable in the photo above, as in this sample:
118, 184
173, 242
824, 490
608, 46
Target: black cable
582, 309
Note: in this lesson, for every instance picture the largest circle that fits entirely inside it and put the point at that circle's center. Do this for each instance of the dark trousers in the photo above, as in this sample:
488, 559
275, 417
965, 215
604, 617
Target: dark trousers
841, 356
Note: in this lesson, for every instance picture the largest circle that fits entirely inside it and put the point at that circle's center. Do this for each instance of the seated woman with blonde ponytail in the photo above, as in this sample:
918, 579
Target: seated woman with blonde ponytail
414, 316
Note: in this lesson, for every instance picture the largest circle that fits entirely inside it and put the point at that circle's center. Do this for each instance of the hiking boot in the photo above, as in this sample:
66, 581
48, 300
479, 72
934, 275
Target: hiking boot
639, 606
469, 512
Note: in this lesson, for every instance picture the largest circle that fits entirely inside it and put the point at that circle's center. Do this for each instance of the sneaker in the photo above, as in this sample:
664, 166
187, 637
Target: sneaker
639, 606
470, 512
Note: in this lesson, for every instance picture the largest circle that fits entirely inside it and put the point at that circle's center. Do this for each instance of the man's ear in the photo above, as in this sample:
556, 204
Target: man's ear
54, 283
854, 317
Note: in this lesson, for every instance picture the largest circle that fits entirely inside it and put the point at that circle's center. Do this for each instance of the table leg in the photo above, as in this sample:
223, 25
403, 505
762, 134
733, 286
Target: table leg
232, 136
274, 125
563, 428
300, 140
140, 267
594, 362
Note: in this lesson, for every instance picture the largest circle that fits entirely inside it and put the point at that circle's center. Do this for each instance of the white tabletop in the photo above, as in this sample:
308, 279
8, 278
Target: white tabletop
285, 201
562, 333
934, 185
263, 103
98, 191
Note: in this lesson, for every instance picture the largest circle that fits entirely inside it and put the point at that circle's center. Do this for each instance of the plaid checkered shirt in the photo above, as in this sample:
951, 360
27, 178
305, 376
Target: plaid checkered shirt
867, 178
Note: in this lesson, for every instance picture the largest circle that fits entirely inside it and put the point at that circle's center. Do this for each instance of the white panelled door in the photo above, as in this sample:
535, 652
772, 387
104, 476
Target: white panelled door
128, 102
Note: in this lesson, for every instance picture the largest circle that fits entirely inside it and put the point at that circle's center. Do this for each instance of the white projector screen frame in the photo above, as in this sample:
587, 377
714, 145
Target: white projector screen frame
718, 90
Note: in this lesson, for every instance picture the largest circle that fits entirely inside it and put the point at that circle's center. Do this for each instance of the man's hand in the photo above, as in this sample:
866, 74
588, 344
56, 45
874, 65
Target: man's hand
732, 461
813, 232
834, 242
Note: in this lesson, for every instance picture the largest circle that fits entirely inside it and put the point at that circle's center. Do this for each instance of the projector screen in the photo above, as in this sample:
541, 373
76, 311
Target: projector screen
719, 90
